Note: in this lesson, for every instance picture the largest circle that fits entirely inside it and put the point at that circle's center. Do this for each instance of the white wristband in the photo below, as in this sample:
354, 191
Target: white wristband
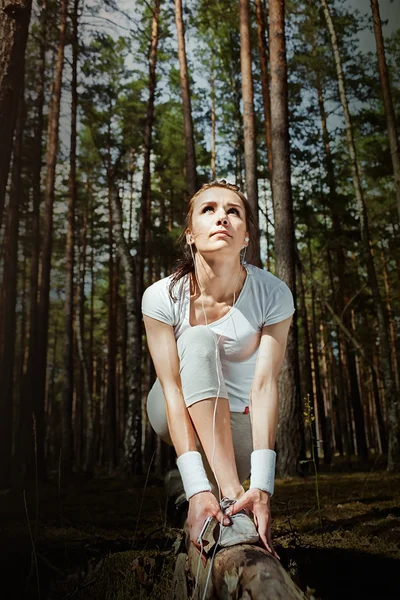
263, 470
193, 475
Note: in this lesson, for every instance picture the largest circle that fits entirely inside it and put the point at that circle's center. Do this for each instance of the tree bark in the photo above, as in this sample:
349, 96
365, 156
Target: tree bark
132, 434
191, 175
250, 149
290, 438
387, 99
14, 25
388, 377
241, 571
342, 294
26, 404
47, 243
68, 370
213, 122
322, 417
8, 301
262, 49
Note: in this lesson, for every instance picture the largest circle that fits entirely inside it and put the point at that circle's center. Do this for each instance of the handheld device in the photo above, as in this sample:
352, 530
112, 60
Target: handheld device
209, 534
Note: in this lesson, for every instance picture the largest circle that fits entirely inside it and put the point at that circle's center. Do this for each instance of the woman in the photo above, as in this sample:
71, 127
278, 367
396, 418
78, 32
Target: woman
217, 331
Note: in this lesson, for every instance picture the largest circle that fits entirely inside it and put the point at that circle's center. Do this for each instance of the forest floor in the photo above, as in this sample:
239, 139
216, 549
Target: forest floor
107, 539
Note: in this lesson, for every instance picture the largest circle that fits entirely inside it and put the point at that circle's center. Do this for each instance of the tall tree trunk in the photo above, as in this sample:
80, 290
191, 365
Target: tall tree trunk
68, 367
14, 25
132, 435
213, 122
262, 49
388, 377
144, 216
322, 416
47, 243
191, 175
390, 317
24, 449
110, 413
131, 174
8, 300
342, 294
307, 373
290, 438
387, 99
250, 149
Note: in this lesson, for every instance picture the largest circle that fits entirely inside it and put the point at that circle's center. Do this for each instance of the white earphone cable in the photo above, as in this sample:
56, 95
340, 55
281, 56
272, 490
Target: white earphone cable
214, 412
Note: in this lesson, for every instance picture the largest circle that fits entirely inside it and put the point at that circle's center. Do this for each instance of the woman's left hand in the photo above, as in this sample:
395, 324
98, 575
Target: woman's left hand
258, 502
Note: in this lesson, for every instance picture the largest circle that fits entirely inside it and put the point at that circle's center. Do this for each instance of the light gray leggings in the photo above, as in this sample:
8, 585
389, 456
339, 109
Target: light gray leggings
200, 367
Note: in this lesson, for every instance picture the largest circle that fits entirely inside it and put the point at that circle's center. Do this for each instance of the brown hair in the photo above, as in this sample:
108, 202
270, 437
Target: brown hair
185, 264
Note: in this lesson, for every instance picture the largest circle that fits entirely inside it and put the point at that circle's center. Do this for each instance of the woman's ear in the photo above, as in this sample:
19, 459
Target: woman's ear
189, 239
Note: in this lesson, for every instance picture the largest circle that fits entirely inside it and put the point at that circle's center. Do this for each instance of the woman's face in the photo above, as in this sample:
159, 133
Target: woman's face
218, 222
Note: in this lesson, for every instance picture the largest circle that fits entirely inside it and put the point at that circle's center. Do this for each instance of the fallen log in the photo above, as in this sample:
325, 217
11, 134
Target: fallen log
239, 572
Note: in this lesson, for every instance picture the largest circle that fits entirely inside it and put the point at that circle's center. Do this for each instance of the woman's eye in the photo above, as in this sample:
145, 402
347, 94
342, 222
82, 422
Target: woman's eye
235, 210
207, 208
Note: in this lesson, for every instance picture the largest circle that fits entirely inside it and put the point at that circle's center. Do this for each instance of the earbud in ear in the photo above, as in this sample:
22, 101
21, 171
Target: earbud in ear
189, 239
246, 239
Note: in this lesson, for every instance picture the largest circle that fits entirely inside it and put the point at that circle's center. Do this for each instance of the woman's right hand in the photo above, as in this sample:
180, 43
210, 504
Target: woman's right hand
202, 506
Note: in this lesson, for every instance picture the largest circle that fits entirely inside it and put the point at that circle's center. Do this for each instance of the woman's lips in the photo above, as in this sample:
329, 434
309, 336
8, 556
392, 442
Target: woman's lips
222, 232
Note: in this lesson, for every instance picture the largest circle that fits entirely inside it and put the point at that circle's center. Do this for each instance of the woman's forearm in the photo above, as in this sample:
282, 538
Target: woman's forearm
264, 415
180, 425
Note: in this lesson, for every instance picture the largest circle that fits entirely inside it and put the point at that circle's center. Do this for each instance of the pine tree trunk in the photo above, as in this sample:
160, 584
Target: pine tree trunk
322, 417
24, 449
144, 216
132, 434
387, 99
8, 301
191, 175
47, 242
68, 371
110, 413
250, 149
307, 371
239, 134
290, 438
340, 267
131, 174
390, 318
388, 377
262, 49
213, 122
14, 25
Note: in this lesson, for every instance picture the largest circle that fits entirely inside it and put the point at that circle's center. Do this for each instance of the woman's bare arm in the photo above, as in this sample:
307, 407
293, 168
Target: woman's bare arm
163, 350
264, 389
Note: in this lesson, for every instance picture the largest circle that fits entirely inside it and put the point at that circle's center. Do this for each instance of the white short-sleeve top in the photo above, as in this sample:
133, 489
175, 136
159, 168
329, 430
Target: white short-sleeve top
263, 300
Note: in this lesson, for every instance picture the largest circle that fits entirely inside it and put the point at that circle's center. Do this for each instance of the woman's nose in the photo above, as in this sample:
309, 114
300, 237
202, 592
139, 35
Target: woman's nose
222, 218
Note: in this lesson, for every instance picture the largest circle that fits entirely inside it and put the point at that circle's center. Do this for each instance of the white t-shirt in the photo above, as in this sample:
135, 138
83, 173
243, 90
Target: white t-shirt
263, 300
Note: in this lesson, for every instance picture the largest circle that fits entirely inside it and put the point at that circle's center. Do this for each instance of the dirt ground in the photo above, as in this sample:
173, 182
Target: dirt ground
109, 539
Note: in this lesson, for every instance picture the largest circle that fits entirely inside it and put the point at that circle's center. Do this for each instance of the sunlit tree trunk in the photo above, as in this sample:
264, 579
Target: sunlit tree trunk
290, 438
388, 377
191, 175
68, 370
14, 24
250, 149
387, 99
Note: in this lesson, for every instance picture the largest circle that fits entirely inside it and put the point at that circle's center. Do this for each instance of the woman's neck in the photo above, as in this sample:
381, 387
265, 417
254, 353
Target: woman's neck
219, 280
